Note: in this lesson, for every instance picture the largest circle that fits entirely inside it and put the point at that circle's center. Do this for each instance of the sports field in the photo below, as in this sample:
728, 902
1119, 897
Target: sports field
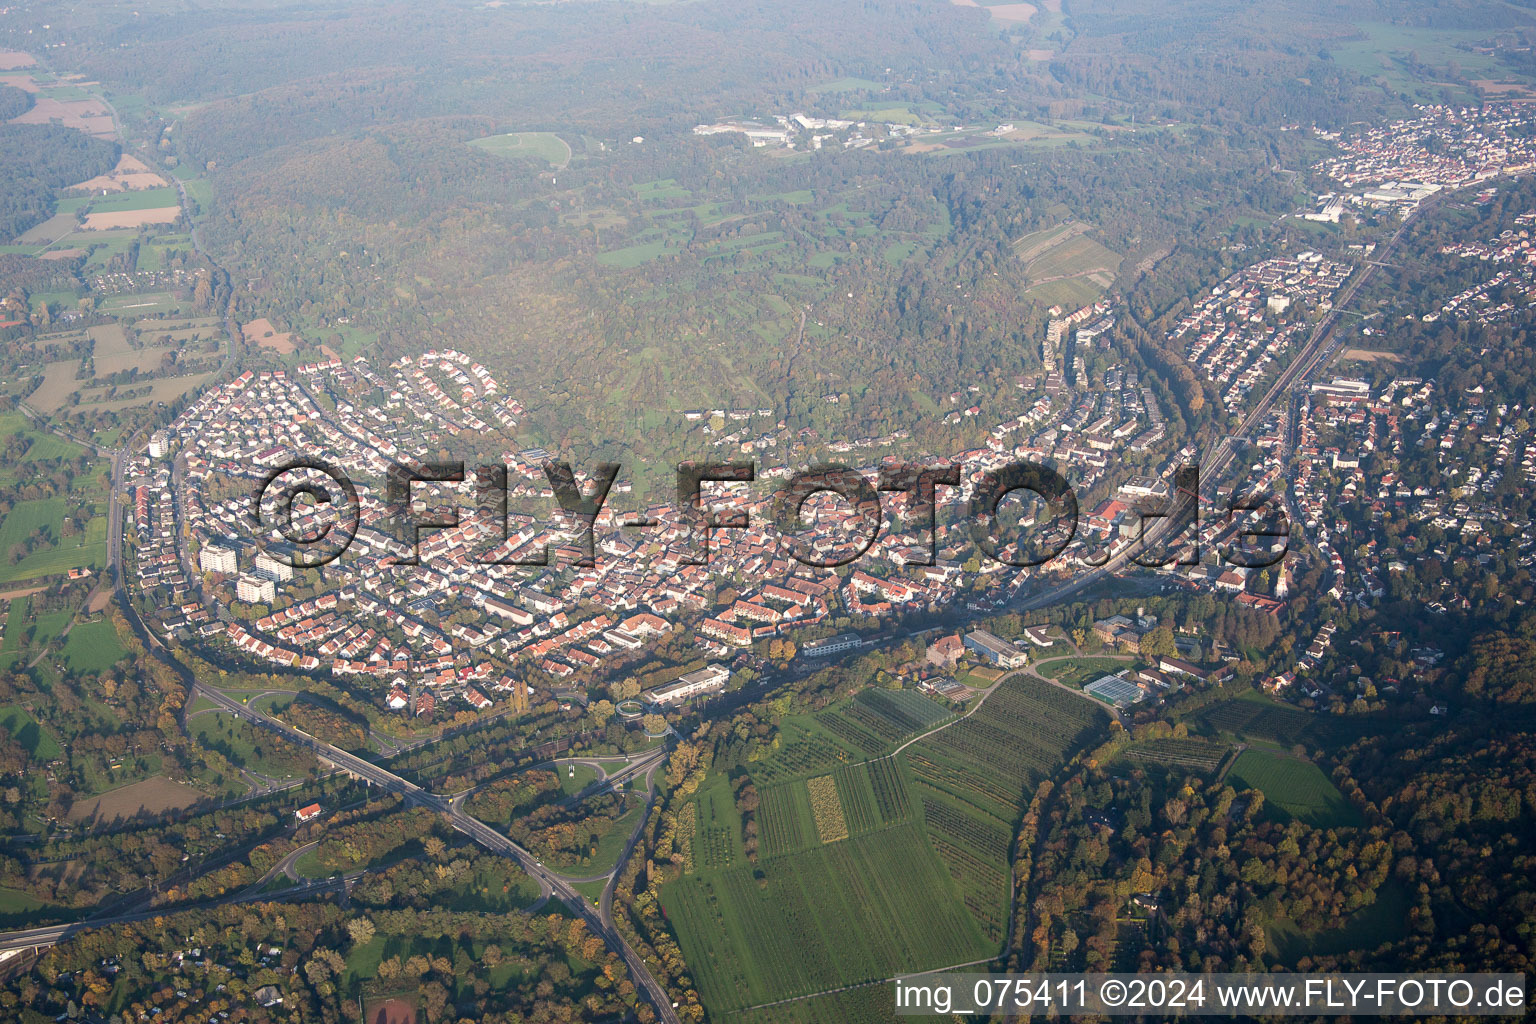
140, 303
1077, 671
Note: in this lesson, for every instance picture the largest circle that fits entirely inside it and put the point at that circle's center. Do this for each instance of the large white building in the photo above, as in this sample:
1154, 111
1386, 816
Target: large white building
831, 645
254, 591
271, 568
213, 558
706, 680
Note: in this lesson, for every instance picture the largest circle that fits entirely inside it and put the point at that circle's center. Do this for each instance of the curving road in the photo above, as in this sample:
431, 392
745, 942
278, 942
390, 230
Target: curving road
1314, 354
599, 919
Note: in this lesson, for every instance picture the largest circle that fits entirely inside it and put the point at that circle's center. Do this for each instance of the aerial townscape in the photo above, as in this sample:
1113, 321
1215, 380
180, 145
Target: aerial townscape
611, 511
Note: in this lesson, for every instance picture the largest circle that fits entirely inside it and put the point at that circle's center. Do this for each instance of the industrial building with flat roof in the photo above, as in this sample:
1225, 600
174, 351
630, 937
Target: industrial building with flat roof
706, 680
998, 652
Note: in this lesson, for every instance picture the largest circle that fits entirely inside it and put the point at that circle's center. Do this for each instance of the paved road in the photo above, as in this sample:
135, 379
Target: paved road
604, 780
600, 919
605, 905
1314, 354
286, 867
600, 922
1120, 716
30, 938
470, 826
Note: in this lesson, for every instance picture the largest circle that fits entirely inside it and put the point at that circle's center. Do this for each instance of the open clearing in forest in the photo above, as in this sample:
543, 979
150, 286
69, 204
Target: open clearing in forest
49, 231
1012, 14
261, 332
154, 795
88, 115
1071, 257
23, 82
545, 146
130, 175
1037, 243
1296, 786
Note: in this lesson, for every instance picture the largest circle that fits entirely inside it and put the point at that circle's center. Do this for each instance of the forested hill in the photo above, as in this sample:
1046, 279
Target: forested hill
13, 102
36, 159
600, 67
344, 146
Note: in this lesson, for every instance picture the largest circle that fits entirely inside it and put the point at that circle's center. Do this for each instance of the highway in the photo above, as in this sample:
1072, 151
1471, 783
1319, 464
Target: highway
599, 919
1215, 459
31, 938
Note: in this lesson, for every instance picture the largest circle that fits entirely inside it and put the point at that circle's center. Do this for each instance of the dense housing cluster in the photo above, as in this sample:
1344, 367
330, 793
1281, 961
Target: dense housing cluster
1242, 331
1498, 297
457, 625
1443, 147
